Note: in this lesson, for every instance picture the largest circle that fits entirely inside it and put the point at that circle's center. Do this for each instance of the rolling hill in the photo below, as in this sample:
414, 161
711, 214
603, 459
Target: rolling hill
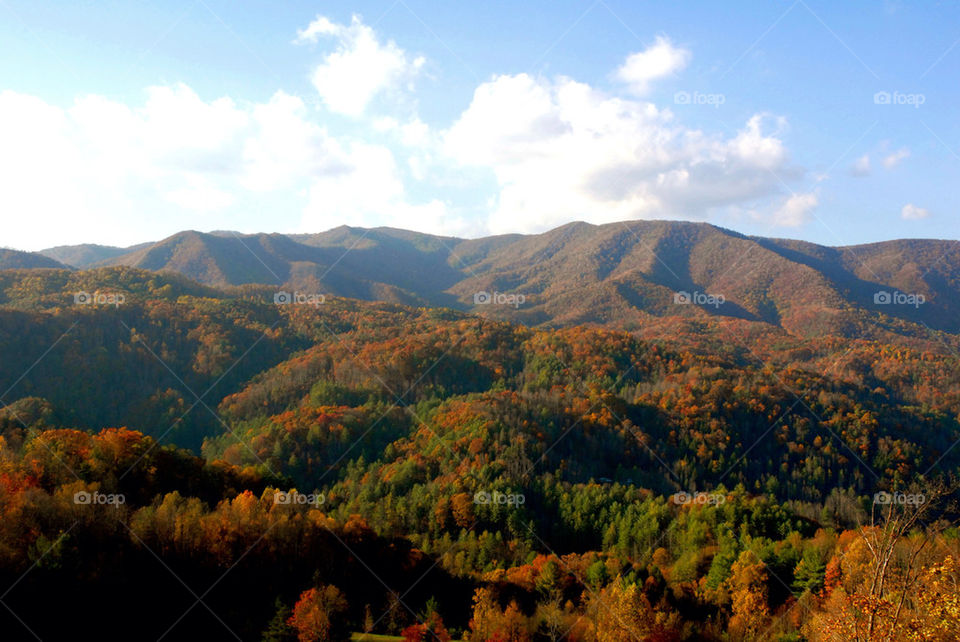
622, 275
13, 259
86, 255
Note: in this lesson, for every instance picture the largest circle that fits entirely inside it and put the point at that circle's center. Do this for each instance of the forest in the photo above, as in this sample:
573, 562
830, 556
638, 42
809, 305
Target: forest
202, 463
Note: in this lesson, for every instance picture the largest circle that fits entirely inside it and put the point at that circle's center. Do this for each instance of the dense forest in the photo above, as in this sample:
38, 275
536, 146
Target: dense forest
197, 463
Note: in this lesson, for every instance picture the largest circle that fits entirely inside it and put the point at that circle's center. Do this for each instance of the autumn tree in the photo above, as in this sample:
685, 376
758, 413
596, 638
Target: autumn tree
491, 623
880, 595
621, 613
318, 615
748, 589
430, 630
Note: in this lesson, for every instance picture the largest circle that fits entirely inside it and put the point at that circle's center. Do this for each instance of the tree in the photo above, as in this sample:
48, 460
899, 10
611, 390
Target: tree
490, 623
621, 613
318, 615
882, 594
486, 614
810, 572
430, 630
551, 621
748, 588
937, 615
597, 574
279, 629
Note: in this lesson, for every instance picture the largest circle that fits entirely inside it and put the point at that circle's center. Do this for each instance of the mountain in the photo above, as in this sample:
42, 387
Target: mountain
86, 255
625, 275
13, 259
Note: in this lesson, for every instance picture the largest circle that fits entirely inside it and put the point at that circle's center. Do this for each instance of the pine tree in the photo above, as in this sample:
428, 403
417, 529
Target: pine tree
279, 630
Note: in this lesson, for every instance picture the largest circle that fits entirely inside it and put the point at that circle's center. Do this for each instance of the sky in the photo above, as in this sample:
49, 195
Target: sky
126, 122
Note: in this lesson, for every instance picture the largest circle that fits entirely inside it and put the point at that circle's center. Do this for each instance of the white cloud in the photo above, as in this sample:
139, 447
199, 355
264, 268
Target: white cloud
370, 192
911, 212
177, 121
414, 133
564, 151
360, 68
285, 146
659, 60
321, 26
200, 197
892, 160
35, 155
526, 155
861, 166
102, 171
796, 210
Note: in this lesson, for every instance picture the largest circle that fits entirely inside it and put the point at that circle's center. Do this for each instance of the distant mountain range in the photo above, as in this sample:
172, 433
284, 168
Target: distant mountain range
620, 274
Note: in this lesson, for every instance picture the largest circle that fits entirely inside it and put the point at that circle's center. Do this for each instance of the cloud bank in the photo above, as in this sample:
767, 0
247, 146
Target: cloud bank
551, 150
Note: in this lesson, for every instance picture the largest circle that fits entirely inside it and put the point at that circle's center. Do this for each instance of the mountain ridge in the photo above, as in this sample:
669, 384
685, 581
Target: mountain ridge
617, 274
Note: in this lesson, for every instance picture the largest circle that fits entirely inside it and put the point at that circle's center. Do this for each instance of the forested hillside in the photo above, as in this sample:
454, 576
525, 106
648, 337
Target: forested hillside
296, 468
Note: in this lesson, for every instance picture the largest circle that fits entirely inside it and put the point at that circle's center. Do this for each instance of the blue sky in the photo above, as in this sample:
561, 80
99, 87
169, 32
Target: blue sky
125, 122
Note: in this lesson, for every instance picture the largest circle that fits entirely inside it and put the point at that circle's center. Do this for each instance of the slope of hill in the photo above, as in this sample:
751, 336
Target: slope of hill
13, 259
88, 254
446, 453
142, 356
622, 275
